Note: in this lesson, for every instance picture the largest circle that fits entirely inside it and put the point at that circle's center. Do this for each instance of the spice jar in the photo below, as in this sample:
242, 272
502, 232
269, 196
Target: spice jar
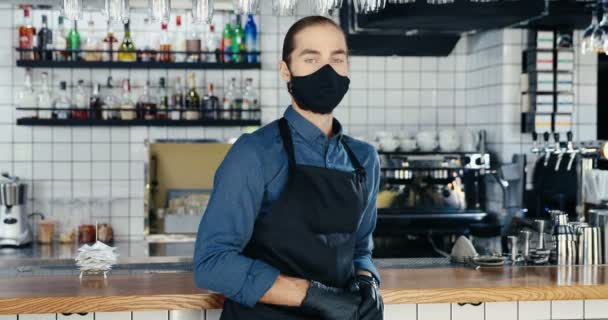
105, 233
46, 231
86, 234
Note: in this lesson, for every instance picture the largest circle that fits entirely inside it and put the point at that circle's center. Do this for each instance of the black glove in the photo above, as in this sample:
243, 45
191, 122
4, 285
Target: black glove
330, 303
372, 305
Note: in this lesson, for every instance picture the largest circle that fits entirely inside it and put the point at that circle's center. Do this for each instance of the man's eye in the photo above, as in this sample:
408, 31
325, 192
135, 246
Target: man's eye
338, 60
311, 60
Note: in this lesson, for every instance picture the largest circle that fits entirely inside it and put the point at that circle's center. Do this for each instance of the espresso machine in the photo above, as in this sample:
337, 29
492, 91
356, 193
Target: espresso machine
14, 228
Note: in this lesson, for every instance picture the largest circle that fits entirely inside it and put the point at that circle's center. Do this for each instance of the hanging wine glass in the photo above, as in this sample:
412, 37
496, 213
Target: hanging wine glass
587, 40
117, 11
284, 7
369, 6
202, 11
325, 7
160, 10
401, 1
72, 9
246, 6
439, 1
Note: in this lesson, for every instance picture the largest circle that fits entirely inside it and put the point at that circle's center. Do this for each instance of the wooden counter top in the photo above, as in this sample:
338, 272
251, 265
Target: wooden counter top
173, 291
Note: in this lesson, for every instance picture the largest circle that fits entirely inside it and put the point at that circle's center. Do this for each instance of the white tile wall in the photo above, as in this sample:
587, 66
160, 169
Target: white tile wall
474, 87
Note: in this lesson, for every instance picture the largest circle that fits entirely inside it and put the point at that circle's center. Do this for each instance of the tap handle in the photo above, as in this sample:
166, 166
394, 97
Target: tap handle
569, 136
556, 137
546, 136
534, 136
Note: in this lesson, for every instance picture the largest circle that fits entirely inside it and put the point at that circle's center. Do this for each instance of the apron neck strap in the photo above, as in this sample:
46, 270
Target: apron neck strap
287, 143
353, 159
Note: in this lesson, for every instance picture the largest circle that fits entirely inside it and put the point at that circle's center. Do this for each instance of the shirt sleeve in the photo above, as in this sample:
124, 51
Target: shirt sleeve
365, 244
227, 226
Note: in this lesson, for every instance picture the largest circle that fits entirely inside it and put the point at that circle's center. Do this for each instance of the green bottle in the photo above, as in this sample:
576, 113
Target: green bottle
238, 42
227, 43
74, 42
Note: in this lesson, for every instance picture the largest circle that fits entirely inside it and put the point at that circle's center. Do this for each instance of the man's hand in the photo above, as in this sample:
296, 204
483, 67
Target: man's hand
330, 303
372, 305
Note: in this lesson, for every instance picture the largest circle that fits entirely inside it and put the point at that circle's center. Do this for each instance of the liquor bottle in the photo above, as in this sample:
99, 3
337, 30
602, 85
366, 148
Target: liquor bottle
110, 103
91, 44
44, 100
126, 52
127, 107
251, 40
147, 104
163, 100
45, 41
229, 105
193, 45
60, 42
227, 43
62, 103
149, 49
179, 41
74, 42
165, 44
81, 102
211, 104
192, 100
96, 103
110, 46
26, 36
250, 102
26, 97
238, 41
177, 100
213, 46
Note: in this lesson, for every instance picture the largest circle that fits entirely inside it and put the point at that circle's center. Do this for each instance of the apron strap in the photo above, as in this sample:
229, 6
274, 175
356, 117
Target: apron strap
287, 143
353, 159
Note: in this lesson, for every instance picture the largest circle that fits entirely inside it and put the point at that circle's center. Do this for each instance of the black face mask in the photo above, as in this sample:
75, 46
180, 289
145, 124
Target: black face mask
319, 92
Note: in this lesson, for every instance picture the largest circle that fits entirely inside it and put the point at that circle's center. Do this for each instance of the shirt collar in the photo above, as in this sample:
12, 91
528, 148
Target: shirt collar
308, 130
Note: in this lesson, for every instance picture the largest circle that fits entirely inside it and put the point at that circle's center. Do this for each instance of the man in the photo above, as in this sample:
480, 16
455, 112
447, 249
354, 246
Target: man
288, 230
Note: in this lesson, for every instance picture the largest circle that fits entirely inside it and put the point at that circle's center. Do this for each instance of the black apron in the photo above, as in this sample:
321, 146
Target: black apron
310, 231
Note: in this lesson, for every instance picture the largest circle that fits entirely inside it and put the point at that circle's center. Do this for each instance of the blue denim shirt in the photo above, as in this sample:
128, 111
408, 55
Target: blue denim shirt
250, 179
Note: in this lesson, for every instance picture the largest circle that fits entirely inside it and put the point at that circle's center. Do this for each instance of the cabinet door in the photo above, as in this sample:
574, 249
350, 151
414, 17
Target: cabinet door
400, 312
186, 315
467, 311
125, 315
596, 309
8, 317
76, 316
534, 310
434, 311
501, 310
567, 309
46, 316
213, 314
150, 315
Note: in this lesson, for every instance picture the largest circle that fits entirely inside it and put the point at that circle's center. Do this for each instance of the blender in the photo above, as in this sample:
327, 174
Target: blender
14, 227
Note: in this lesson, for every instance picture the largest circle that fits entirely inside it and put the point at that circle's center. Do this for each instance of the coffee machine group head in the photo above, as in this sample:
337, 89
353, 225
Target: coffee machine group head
14, 228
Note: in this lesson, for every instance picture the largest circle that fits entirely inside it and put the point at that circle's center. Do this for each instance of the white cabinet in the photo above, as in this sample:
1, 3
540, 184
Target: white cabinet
126, 315
150, 315
400, 312
501, 310
187, 315
567, 309
213, 314
8, 317
468, 311
76, 316
434, 311
46, 316
534, 310
596, 309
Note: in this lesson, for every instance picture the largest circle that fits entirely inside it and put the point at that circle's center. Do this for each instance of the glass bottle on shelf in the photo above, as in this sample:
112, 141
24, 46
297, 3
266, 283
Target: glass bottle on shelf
148, 52
26, 36
250, 102
227, 43
81, 102
96, 103
62, 104
26, 97
126, 52
110, 103
165, 44
192, 100
110, 46
91, 44
127, 107
211, 104
60, 41
238, 41
147, 104
193, 45
44, 100
251, 39
230, 103
177, 100
74, 42
163, 99
213, 46
45, 41
179, 41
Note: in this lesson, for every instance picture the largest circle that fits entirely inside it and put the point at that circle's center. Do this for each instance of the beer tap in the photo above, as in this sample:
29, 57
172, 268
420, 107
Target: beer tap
547, 149
558, 151
570, 150
535, 147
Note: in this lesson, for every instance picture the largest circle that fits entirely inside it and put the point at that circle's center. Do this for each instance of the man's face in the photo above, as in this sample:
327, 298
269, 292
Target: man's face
315, 47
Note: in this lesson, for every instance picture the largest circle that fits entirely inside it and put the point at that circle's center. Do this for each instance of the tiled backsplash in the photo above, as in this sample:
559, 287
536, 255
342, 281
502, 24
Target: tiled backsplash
97, 173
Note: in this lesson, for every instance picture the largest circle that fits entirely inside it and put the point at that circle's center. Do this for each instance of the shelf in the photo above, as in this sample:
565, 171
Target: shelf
136, 65
425, 153
163, 123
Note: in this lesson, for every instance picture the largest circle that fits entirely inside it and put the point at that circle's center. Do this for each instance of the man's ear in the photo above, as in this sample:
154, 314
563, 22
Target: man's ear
284, 71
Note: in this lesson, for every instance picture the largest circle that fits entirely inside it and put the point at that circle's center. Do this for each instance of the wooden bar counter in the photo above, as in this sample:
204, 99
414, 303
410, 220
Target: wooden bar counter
176, 291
